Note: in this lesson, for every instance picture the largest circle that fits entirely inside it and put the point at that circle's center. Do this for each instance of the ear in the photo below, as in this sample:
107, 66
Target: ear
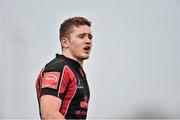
64, 42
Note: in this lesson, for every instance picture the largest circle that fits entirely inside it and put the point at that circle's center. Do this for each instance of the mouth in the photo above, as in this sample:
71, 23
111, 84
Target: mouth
87, 49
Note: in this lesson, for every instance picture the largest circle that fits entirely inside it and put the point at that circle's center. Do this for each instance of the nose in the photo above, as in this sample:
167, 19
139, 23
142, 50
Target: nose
88, 39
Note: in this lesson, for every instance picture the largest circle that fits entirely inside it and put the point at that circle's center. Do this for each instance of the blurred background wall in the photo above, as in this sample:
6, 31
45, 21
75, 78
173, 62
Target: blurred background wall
1, 74
134, 69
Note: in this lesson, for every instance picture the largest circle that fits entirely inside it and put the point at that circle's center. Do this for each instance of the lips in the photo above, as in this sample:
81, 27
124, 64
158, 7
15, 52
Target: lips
87, 48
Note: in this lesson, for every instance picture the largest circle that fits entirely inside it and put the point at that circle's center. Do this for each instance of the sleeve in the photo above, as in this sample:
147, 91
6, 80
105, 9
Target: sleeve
52, 78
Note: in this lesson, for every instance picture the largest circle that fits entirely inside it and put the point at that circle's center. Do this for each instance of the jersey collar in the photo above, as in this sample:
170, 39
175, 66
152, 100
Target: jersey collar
70, 61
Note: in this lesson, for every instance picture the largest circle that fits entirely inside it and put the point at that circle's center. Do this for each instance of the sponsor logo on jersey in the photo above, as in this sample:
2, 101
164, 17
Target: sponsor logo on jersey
84, 102
79, 85
50, 80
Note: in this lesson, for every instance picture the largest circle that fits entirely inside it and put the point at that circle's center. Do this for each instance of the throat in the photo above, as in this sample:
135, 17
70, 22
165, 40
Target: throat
72, 57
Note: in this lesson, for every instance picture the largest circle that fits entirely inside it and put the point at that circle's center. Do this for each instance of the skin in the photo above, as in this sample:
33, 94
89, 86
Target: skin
74, 46
77, 47
50, 108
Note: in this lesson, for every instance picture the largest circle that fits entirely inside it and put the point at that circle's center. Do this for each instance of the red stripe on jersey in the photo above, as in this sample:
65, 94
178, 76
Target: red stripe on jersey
38, 82
64, 81
81, 71
71, 90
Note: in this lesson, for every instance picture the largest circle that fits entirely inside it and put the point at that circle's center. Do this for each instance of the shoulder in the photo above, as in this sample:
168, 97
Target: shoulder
56, 65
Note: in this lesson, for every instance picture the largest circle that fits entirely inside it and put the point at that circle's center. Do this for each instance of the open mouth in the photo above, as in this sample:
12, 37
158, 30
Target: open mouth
87, 48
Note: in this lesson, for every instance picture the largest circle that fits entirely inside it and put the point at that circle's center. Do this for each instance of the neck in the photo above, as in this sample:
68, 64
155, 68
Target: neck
66, 54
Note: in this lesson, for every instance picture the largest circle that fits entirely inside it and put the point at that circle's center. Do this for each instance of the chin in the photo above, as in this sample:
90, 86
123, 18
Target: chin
84, 57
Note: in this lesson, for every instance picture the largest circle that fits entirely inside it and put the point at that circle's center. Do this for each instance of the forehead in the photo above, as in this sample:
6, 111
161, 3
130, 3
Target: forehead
81, 29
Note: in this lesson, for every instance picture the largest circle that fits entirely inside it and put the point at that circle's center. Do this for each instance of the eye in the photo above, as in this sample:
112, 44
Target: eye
84, 35
81, 36
90, 36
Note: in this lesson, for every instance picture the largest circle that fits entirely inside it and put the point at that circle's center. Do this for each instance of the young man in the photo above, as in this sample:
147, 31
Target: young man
62, 88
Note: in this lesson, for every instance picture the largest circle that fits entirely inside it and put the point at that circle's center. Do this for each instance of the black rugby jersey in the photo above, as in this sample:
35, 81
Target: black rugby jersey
64, 78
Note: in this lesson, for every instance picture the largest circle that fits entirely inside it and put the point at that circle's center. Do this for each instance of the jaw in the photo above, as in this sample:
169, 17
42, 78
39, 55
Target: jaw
78, 55
83, 56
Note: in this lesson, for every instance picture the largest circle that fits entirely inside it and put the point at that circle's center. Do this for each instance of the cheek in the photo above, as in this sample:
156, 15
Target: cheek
76, 45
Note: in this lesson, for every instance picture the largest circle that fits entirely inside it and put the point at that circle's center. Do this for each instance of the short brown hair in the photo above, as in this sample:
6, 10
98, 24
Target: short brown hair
68, 24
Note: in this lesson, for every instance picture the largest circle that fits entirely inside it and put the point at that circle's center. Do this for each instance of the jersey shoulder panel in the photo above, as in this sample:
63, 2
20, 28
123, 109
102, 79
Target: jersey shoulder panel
56, 65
